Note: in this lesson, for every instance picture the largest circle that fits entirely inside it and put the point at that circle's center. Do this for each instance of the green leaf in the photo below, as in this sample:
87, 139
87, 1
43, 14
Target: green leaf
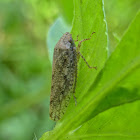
118, 123
117, 83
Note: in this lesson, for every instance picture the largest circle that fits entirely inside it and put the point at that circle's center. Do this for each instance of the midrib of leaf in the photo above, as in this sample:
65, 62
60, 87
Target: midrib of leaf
105, 135
107, 47
99, 96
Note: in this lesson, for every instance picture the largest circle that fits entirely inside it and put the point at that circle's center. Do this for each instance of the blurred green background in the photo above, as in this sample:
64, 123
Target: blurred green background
25, 68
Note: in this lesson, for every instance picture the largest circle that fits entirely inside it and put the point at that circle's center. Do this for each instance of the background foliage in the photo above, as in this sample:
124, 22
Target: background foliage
107, 99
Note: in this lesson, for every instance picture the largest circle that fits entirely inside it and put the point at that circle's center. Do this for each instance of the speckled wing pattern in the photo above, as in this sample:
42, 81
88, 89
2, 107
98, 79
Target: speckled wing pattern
64, 74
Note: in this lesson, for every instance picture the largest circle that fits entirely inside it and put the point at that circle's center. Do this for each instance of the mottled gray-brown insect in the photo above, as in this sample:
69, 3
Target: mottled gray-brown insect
64, 74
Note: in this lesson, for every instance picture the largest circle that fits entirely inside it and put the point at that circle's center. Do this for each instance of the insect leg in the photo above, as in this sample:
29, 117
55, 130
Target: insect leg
79, 44
75, 99
86, 61
76, 39
75, 81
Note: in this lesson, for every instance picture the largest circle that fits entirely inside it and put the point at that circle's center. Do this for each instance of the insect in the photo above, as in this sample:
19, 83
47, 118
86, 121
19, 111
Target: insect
64, 74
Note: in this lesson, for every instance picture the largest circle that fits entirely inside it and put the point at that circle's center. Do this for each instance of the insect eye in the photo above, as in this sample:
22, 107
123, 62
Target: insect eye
70, 41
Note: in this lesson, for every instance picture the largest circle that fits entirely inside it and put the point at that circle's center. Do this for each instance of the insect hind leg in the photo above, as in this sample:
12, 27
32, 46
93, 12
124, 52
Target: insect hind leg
76, 39
86, 61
